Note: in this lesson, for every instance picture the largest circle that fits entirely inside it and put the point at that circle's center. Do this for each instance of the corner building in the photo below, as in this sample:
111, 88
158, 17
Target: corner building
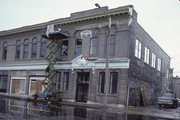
138, 67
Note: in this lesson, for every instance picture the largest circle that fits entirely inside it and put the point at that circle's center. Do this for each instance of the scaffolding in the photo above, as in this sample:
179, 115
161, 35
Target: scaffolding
54, 37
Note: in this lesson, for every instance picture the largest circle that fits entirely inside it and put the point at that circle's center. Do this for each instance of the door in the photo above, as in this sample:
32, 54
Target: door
82, 86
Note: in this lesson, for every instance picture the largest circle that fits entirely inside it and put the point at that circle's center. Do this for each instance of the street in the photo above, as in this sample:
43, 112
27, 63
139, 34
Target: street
13, 109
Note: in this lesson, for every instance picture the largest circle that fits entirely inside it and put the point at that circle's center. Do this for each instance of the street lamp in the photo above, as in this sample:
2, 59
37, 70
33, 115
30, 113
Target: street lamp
107, 55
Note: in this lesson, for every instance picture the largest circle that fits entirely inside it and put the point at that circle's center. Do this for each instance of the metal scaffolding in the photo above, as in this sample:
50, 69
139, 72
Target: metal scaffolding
52, 48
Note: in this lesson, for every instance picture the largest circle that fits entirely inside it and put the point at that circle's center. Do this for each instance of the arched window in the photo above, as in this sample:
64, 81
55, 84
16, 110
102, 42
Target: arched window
26, 49
18, 47
43, 48
4, 55
34, 48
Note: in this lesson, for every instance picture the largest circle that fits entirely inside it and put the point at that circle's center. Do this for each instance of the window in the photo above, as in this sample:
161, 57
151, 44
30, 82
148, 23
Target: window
64, 48
3, 81
78, 47
43, 49
153, 62
159, 64
146, 55
26, 49
18, 47
111, 46
4, 55
34, 48
93, 46
18, 85
58, 80
36, 86
113, 82
138, 49
101, 82
66, 81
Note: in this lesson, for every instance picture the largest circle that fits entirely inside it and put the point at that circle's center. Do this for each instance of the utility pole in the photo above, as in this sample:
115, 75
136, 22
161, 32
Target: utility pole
106, 55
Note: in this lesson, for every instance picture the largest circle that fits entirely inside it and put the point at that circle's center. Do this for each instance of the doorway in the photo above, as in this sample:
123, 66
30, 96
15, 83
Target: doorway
82, 86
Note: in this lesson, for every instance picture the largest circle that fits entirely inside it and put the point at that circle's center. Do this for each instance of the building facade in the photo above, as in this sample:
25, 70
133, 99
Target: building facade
138, 68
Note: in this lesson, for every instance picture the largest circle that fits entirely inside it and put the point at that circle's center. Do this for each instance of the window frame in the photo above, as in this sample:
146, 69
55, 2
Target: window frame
138, 49
101, 84
112, 83
111, 44
26, 49
146, 55
153, 60
66, 81
34, 48
78, 48
43, 50
58, 81
159, 64
4, 54
64, 48
18, 50
93, 47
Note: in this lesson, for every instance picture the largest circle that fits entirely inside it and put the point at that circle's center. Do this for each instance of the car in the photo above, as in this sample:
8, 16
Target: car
48, 95
167, 100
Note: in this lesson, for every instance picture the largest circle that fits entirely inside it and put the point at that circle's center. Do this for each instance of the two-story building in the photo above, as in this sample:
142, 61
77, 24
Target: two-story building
137, 66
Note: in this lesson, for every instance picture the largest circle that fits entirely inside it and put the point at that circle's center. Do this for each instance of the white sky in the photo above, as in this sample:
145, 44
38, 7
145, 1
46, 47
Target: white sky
160, 18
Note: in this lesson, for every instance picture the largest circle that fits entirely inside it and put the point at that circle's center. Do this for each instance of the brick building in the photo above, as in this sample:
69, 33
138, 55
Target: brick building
138, 67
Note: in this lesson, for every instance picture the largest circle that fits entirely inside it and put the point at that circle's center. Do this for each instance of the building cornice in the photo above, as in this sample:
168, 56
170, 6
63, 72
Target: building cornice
70, 20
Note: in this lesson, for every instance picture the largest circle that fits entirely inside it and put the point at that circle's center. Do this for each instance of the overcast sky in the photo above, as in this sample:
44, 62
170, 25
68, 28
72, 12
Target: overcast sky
160, 18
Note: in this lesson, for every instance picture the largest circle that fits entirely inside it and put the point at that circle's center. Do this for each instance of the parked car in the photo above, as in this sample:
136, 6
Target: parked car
167, 100
48, 95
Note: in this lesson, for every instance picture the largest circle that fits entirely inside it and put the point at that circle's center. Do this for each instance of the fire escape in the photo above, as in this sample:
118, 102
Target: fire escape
54, 37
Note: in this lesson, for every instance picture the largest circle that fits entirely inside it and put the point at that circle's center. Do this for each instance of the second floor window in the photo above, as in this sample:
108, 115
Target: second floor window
18, 47
78, 47
159, 64
64, 48
26, 49
43, 49
138, 49
4, 55
93, 45
34, 48
111, 46
146, 55
153, 61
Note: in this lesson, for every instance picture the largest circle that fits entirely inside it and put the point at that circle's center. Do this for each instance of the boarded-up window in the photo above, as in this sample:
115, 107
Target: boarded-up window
18, 86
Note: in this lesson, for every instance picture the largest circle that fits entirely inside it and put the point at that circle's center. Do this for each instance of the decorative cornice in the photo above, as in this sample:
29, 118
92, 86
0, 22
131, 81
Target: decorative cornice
69, 20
